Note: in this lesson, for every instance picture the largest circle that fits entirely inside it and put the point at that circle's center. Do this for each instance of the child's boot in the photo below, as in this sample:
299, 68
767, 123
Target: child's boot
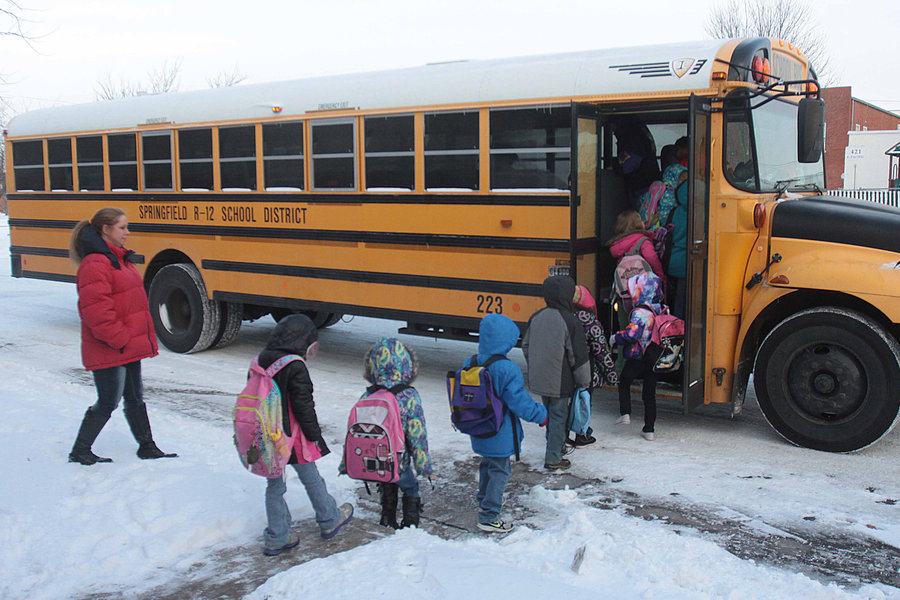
389, 505
411, 509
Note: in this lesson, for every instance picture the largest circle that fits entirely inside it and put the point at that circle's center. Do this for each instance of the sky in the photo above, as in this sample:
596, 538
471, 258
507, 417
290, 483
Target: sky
75, 45
121, 529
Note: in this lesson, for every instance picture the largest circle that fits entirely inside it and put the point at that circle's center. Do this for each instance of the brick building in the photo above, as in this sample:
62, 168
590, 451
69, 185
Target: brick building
844, 113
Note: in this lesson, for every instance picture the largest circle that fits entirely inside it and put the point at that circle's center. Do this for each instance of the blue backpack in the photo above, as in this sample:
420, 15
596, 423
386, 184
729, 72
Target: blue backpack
579, 420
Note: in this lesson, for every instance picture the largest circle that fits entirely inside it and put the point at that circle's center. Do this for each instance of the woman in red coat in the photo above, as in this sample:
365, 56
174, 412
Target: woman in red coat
116, 331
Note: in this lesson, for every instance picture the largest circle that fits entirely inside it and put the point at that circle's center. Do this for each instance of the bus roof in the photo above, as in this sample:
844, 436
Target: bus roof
653, 69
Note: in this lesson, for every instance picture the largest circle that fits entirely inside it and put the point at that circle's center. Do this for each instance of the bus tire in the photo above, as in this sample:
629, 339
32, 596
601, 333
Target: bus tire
186, 320
334, 318
231, 315
829, 379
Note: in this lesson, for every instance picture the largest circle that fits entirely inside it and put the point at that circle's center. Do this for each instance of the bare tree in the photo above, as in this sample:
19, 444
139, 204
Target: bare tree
226, 78
790, 20
160, 80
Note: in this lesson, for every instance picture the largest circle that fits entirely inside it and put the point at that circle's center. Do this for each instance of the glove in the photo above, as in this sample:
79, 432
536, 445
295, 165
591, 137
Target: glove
612, 340
323, 448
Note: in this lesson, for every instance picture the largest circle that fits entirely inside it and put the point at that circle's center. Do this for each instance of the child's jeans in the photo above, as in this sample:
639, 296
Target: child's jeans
408, 482
640, 369
278, 532
493, 475
558, 414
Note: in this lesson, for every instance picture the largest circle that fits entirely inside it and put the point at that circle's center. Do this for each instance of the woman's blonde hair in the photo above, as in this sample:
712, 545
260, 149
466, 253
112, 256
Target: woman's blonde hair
628, 221
105, 216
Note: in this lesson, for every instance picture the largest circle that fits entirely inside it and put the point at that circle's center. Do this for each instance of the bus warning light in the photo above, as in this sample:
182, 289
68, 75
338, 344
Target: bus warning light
759, 215
506, 222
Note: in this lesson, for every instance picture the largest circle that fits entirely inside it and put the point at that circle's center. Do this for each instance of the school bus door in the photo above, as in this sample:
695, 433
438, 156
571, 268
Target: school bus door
585, 195
694, 367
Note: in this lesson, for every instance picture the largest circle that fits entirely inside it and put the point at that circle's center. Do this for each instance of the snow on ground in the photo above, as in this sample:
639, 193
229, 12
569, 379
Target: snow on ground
70, 531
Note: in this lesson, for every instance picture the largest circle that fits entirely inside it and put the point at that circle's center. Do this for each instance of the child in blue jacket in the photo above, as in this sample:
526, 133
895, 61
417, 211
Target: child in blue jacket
497, 334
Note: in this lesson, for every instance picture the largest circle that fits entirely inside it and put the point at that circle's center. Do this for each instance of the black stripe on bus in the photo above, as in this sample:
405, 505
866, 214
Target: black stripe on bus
311, 198
325, 235
426, 281
36, 251
838, 220
470, 323
49, 276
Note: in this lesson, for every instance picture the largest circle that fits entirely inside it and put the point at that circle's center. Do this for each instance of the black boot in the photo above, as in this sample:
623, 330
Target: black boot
140, 428
389, 505
411, 509
90, 428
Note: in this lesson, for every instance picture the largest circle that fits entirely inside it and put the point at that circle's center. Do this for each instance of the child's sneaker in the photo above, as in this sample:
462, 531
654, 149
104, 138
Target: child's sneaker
346, 513
623, 420
581, 440
497, 526
276, 551
648, 435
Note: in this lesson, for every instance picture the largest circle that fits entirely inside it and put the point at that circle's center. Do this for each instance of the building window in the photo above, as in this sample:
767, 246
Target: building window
451, 150
28, 158
283, 156
89, 151
390, 153
333, 155
237, 157
59, 153
195, 159
530, 148
157, 159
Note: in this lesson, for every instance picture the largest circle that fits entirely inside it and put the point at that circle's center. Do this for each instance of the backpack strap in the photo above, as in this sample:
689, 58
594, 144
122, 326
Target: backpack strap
281, 363
636, 249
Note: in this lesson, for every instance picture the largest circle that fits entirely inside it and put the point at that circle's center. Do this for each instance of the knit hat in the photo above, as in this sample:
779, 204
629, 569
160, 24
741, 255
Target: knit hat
584, 300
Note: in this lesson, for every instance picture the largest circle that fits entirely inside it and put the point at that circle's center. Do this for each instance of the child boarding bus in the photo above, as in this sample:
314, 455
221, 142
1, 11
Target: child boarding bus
435, 195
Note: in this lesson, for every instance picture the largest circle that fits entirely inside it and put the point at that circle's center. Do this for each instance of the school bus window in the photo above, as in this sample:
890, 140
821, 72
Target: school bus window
237, 157
122, 162
89, 155
28, 158
390, 152
283, 156
740, 168
59, 153
195, 159
530, 148
333, 156
451, 150
157, 159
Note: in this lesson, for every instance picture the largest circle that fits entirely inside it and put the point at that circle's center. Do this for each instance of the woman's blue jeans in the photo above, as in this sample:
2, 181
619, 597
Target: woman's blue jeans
114, 383
278, 531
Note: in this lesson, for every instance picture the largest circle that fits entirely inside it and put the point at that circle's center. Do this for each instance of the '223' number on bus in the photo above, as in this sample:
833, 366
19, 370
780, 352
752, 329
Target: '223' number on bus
490, 304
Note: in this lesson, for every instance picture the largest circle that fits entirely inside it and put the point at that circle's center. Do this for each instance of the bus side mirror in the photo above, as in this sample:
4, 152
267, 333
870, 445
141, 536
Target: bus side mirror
810, 130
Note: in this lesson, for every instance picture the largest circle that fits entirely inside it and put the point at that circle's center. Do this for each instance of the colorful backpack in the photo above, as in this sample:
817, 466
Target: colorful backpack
475, 407
259, 436
668, 334
375, 440
650, 209
631, 264
579, 420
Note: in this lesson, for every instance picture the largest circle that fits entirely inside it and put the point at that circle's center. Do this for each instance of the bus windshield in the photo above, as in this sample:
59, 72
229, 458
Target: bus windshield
761, 147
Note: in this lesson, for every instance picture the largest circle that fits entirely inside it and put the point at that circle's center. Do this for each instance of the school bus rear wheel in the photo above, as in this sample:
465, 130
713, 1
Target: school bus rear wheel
184, 317
829, 379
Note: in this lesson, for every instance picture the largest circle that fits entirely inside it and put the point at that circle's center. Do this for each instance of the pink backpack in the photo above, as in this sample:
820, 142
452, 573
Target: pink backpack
259, 436
650, 210
631, 264
668, 334
375, 439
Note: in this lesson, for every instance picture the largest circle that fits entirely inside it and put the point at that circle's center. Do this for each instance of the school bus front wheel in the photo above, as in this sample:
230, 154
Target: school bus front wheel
828, 378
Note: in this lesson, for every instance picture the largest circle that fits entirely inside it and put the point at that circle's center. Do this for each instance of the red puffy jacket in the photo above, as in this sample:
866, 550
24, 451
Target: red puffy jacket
116, 327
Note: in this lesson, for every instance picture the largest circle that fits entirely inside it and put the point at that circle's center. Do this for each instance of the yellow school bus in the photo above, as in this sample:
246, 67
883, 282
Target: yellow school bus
438, 194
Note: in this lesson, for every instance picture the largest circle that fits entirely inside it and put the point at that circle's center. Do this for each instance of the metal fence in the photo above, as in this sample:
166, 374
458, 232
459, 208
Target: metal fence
881, 196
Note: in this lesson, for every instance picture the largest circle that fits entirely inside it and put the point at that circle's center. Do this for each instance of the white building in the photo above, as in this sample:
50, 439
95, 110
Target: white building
866, 165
